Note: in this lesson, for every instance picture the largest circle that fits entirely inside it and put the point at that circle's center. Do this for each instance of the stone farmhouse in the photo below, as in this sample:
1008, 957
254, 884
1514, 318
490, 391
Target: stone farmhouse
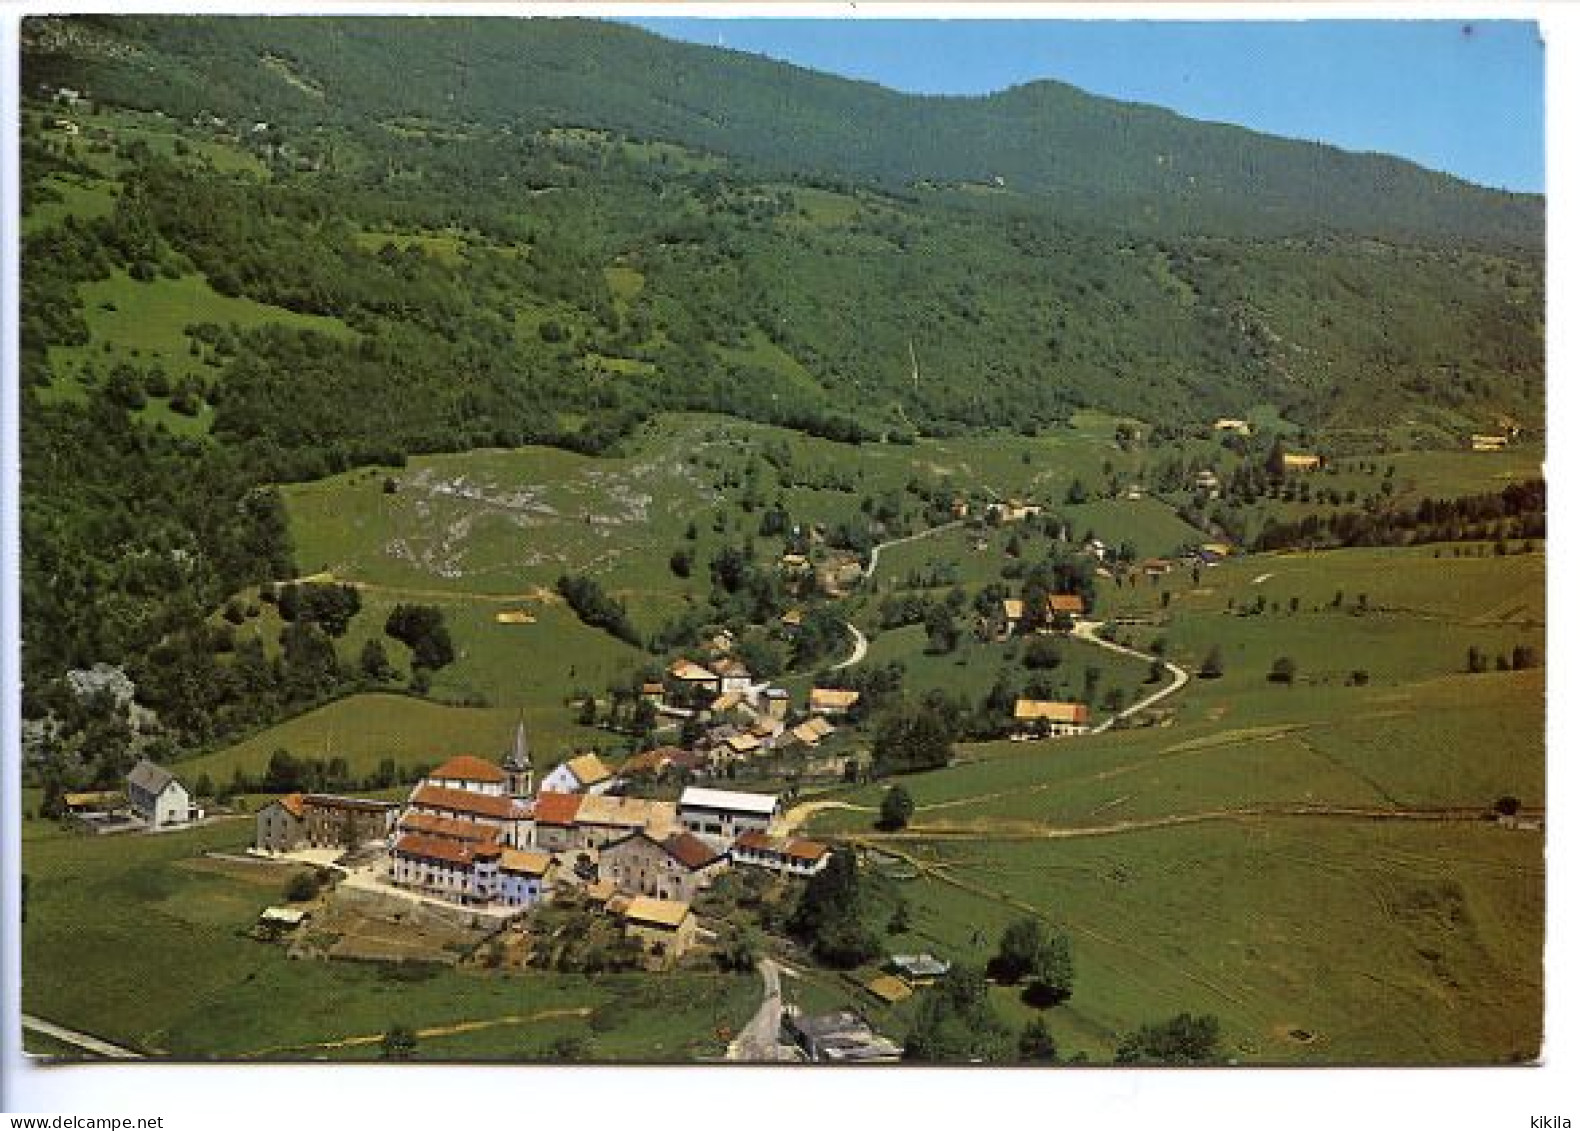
677, 866
321, 820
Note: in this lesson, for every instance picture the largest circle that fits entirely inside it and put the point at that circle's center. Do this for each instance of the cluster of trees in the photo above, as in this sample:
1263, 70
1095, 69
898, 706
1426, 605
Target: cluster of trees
597, 609
1516, 513
834, 916
1030, 952
1522, 657
911, 739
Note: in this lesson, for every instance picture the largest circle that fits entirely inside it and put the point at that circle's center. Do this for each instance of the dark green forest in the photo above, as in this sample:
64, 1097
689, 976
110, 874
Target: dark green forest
635, 226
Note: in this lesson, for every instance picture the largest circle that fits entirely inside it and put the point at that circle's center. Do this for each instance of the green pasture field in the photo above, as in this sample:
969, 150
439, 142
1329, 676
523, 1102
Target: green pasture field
83, 197
1383, 943
145, 323
1150, 526
537, 666
974, 666
112, 920
367, 728
1424, 746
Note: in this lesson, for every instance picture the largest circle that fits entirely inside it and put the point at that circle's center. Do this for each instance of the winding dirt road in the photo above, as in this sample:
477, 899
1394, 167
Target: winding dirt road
1087, 630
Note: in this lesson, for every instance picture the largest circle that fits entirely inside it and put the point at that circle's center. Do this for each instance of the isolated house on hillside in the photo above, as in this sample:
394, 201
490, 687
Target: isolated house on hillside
832, 700
1043, 717
158, 798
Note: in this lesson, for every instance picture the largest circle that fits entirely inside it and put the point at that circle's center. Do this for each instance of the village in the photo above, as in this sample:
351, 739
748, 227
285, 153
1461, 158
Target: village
493, 863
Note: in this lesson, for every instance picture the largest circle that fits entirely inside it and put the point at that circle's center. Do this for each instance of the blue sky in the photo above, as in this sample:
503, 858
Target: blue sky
1463, 97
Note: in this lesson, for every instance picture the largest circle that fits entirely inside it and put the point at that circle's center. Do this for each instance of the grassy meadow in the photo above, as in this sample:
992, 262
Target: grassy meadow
221, 995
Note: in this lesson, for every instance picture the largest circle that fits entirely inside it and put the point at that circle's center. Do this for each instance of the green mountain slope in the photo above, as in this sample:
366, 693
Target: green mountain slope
271, 250
1142, 166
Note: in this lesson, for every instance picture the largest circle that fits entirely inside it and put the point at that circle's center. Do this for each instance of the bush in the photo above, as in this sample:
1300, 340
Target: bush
301, 887
895, 813
1283, 671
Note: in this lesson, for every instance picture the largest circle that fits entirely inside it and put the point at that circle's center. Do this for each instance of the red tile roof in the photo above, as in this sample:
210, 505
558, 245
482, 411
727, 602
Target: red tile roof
692, 851
809, 850
756, 841
465, 801
429, 824
556, 808
465, 767
292, 804
434, 848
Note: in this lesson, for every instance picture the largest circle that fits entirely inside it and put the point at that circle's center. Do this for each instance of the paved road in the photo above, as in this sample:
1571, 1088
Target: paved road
1179, 677
858, 650
84, 1041
759, 1041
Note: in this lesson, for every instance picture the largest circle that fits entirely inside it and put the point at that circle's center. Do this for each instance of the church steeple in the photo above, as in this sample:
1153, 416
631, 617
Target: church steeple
517, 763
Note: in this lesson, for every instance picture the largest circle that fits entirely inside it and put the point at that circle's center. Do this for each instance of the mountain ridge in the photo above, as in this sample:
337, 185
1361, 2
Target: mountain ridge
1142, 165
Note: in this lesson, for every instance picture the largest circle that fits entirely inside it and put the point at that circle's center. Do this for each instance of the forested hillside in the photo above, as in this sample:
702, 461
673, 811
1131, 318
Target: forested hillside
1139, 165
258, 251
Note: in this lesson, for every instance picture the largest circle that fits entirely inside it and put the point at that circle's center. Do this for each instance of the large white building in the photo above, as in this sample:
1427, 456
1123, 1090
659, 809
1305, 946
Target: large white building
726, 813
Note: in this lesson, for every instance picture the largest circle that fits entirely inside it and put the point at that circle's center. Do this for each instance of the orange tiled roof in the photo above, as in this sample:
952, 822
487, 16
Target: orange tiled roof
465, 801
434, 848
692, 851
430, 824
837, 697
465, 767
292, 804
806, 850
556, 808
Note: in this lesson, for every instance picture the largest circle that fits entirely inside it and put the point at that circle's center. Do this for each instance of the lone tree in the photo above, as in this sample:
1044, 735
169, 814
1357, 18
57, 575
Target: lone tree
399, 1043
1212, 666
1283, 671
896, 810
1028, 949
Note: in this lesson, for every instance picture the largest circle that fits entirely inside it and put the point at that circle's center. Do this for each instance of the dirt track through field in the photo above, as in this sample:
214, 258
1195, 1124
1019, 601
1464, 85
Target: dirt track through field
1000, 829
451, 1030
537, 593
